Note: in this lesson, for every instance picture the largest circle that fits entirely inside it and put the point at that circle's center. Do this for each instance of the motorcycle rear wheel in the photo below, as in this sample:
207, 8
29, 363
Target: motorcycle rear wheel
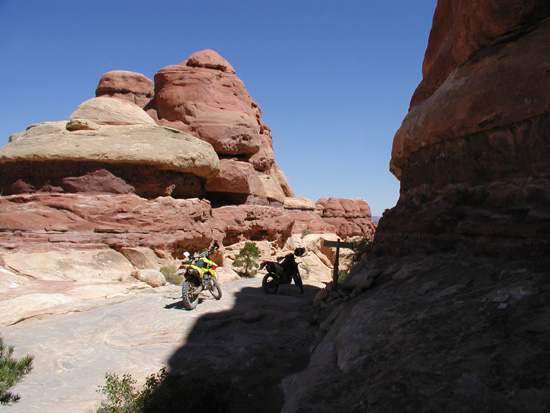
270, 284
215, 289
189, 297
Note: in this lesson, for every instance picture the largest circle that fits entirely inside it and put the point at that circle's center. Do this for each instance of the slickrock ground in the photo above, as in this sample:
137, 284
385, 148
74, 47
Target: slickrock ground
248, 340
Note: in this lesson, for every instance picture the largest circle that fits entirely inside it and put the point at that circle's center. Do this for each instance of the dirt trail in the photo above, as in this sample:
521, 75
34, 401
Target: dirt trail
248, 339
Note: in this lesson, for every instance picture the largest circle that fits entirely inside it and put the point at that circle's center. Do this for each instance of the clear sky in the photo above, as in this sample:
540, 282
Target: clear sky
334, 78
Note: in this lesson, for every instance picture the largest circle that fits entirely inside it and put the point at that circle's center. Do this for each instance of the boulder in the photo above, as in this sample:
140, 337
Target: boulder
154, 278
211, 60
106, 111
130, 86
81, 124
211, 102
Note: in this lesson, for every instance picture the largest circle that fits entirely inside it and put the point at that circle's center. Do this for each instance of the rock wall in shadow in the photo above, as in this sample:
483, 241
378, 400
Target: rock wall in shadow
472, 152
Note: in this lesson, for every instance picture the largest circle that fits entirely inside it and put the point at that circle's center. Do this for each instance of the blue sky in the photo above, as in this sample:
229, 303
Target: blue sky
334, 78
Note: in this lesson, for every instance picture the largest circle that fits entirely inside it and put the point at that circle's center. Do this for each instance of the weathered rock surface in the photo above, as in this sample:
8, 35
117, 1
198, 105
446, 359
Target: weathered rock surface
212, 102
105, 111
456, 333
48, 221
150, 276
472, 153
148, 160
123, 84
303, 204
257, 222
460, 32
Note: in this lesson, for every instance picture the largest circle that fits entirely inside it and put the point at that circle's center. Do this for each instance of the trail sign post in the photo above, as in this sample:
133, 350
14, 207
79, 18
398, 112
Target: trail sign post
337, 244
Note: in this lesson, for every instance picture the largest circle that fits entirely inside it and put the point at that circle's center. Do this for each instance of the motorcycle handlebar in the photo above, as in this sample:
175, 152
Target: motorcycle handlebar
207, 252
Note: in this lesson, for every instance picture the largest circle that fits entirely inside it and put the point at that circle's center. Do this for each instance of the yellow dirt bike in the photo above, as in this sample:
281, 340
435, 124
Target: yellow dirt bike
200, 275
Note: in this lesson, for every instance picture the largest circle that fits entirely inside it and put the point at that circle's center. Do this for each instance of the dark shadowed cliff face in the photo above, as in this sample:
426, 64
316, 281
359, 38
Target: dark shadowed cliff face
472, 154
454, 314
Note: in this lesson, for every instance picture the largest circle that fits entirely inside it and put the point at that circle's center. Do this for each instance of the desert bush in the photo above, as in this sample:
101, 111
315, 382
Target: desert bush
164, 392
11, 372
171, 275
246, 262
359, 248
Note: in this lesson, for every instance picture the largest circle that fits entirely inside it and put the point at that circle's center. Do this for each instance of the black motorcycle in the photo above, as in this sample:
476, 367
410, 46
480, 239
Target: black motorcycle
282, 272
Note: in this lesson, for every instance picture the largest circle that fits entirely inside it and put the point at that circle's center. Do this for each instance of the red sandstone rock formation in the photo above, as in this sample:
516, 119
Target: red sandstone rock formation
123, 220
130, 86
472, 154
352, 217
112, 178
204, 97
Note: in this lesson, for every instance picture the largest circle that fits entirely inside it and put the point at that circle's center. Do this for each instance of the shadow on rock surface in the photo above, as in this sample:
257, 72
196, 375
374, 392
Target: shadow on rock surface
234, 361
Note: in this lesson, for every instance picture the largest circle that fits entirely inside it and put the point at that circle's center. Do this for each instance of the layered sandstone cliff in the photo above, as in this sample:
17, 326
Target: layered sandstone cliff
472, 153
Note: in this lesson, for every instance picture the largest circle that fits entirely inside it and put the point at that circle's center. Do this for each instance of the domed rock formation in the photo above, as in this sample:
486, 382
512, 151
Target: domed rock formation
106, 111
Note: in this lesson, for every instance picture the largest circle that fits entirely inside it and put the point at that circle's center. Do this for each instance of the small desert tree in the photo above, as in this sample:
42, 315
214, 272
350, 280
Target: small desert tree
247, 259
11, 372
359, 248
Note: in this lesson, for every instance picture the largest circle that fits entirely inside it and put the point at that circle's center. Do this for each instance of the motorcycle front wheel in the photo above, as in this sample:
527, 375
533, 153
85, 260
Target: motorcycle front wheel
215, 289
270, 284
189, 295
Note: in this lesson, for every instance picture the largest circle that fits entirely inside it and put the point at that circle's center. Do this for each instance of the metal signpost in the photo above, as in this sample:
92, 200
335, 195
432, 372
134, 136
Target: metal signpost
337, 244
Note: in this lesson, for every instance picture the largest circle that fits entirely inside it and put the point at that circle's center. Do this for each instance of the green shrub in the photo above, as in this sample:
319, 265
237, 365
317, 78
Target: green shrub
164, 392
359, 248
121, 394
247, 260
11, 372
342, 274
171, 275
